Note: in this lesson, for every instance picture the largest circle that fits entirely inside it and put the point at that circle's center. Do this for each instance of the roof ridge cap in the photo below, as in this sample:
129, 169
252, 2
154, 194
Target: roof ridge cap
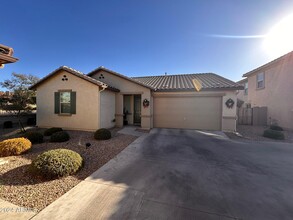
178, 74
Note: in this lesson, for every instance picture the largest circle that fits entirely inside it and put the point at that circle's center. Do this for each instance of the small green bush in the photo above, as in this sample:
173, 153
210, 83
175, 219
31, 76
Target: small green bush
102, 134
7, 124
51, 131
57, 163
60, 136
274, 134
276, 128
14, 146
34, 137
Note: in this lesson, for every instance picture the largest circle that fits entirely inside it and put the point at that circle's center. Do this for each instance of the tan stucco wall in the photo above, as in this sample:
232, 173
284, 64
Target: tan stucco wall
87, 103
277, 93
229, 115
131, 88
228, 119
107, 108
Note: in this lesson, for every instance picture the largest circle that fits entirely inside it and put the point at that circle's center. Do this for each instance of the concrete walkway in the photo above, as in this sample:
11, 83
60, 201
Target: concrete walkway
131, 130
8, 211
97, 200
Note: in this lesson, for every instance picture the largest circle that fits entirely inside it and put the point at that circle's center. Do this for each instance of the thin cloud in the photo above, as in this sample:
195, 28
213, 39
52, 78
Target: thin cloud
236, 36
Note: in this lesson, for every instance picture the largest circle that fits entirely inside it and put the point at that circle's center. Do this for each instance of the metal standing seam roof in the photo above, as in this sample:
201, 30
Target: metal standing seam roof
184, 82
78, 74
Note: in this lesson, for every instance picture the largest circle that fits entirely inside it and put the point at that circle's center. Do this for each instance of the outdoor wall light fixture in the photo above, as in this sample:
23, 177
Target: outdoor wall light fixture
87, 145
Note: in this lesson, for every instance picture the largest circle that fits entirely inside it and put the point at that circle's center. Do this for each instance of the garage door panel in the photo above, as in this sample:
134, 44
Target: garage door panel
188, 112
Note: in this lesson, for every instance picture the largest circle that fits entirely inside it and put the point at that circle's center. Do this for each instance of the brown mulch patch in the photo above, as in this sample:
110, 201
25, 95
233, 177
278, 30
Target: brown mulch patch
20, 187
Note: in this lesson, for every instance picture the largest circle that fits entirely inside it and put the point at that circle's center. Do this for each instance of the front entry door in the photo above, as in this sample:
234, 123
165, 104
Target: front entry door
137, 109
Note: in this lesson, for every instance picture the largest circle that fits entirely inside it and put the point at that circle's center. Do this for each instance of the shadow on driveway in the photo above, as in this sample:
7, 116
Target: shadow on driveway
185, 174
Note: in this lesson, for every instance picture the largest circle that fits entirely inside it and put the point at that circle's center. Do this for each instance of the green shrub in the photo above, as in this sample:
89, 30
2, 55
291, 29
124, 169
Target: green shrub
274, 134
57, 163
7, 124
60, 136
102, 134
14, 146
51, 131
276, 128
34, 137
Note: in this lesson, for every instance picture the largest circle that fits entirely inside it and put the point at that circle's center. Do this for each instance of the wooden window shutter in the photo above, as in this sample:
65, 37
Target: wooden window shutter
57, 102
73, 102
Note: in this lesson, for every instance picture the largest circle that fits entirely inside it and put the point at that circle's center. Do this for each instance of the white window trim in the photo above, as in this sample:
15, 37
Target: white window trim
263, 80
246, 88
62, 91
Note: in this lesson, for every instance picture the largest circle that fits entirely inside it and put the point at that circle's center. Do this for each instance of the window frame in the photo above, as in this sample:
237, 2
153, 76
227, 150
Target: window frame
246, 88
70, 102
258, 81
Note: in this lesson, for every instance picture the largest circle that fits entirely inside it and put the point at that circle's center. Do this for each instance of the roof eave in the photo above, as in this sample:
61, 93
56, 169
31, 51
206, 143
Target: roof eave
268, 64
112, 89
33, 87
242, 81
7, 59
121, 76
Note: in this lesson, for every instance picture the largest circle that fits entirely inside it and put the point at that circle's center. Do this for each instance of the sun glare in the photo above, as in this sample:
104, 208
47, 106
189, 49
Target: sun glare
279, 40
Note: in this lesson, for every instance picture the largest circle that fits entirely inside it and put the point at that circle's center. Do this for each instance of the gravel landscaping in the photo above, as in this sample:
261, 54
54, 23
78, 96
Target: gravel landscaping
255, 133
21, 188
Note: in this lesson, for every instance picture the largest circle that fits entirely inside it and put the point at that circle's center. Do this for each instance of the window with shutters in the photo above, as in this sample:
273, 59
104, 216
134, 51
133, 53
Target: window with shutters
65, 102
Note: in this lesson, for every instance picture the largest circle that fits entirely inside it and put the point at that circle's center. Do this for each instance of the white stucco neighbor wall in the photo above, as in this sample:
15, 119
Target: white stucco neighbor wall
87, 103
107, 107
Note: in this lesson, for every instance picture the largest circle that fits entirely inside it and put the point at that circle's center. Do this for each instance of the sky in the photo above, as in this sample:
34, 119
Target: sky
139, 38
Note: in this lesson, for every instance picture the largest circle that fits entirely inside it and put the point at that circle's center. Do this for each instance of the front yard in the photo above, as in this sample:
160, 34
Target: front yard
21, 188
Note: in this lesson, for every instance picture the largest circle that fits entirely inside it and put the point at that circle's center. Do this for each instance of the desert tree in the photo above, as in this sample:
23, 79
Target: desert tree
22, 99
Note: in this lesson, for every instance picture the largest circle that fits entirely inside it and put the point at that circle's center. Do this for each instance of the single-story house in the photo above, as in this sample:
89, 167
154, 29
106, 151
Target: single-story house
103, 98
271, 86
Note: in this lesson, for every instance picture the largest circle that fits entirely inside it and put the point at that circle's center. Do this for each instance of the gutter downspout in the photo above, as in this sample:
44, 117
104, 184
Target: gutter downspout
104, 86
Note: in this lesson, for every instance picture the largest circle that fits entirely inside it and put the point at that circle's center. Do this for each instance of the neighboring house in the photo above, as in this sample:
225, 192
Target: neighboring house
6, 55
243, 94
69, 99
271, 86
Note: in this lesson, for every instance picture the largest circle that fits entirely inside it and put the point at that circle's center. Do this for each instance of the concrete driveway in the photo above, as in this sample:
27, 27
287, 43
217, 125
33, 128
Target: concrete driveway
180, 174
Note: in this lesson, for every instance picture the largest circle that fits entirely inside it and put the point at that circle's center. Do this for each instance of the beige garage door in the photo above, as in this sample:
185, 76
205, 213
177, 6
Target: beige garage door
188, 112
